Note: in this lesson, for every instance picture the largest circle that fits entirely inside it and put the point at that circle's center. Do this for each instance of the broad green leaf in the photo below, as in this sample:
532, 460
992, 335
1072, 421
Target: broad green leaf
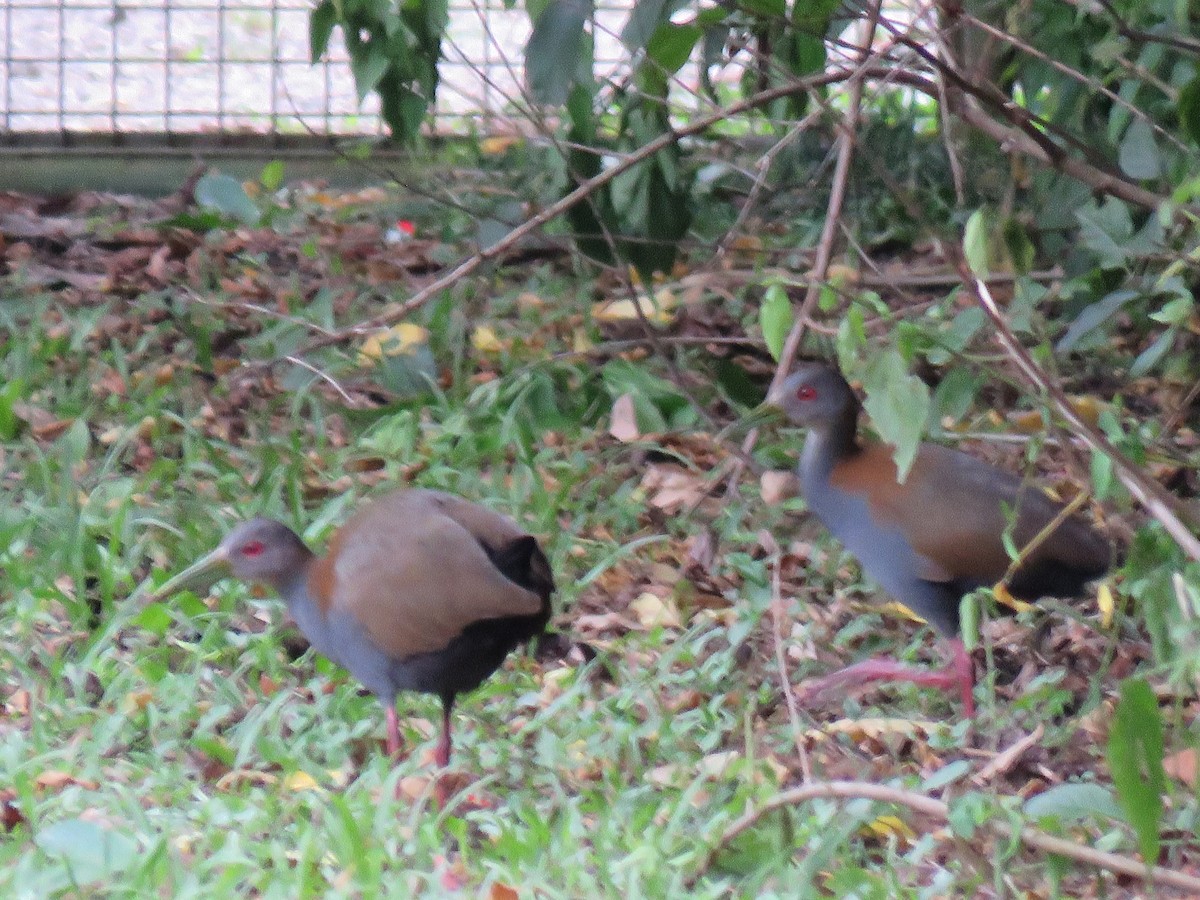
947, 774
1135, 758
226, 195
553, 49
368, 64
1139, 156
1175, 312
671, 45
898, 404
955, 393
1105, 230
1188, 107
975, 242
645, 19
1073, 802
775, 316
320, 27
768, 9
1093, 317
1153, 355
90, 851
272, 175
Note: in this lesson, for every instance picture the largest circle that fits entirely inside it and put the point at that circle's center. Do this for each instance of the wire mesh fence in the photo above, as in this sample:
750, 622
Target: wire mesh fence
237, 66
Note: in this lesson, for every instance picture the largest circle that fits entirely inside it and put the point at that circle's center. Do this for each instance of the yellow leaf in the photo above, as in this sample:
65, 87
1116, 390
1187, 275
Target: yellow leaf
484, 339
652, 612
580, 341
859, 729
399, 339
659, 309
498, 144
300, 781
892, 608
136, 701
842, 276
1104, 599
885, 827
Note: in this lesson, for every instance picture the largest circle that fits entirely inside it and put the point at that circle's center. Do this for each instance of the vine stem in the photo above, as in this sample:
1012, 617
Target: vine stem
936, 809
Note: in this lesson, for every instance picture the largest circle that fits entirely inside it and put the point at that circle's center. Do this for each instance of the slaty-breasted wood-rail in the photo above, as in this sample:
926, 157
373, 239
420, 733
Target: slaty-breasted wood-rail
935, 537
419, 591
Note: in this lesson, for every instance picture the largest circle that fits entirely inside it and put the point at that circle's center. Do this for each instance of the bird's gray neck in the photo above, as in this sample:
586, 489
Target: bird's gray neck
293, 586
827, 444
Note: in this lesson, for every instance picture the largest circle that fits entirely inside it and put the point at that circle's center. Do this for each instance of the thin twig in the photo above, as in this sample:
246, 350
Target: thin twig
324, 376
785, 678
554, 210
846, 141
1031, 837
1156, 499
1005, 760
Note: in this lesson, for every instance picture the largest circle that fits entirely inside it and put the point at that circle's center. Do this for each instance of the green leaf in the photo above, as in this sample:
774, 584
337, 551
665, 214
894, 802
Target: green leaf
1153, 355
90, 852
775, 316
553, 49
1135, 758
155, 618
320, 27
671, 45
968, 621
272, 175
955, 393
1093, 317
368, 64
947, 774
644, 20
1139, 156
898, 404
226, 195
1175, 312
1106, 229
1188, 107
975, 242
1073, 802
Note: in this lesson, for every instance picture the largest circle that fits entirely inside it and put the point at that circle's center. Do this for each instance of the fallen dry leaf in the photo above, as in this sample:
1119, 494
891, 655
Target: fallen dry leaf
56, 779
1183, 766
776, 485
653, 612
394, 341
671, 488
623, 425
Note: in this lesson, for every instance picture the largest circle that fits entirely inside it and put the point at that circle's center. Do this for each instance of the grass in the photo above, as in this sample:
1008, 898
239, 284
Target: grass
179, 750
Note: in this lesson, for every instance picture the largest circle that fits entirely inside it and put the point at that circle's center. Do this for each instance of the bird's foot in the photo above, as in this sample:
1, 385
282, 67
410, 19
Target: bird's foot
959, 673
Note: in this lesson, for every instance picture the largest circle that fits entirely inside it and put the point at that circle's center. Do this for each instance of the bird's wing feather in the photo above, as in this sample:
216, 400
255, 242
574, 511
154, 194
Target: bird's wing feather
953, 519
415, 576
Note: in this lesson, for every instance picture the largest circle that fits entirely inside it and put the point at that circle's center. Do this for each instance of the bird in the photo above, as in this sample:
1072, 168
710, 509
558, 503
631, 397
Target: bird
935, 537
420, 590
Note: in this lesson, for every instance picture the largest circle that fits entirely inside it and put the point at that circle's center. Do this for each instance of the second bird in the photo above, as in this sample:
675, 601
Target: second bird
935, 537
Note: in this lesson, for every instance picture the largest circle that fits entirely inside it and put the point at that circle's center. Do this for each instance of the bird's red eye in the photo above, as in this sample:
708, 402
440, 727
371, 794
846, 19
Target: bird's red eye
253, 548
806, 392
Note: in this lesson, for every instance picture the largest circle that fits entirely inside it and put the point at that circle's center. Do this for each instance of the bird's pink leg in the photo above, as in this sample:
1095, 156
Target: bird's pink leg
393, 732
959, 673
441, 756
